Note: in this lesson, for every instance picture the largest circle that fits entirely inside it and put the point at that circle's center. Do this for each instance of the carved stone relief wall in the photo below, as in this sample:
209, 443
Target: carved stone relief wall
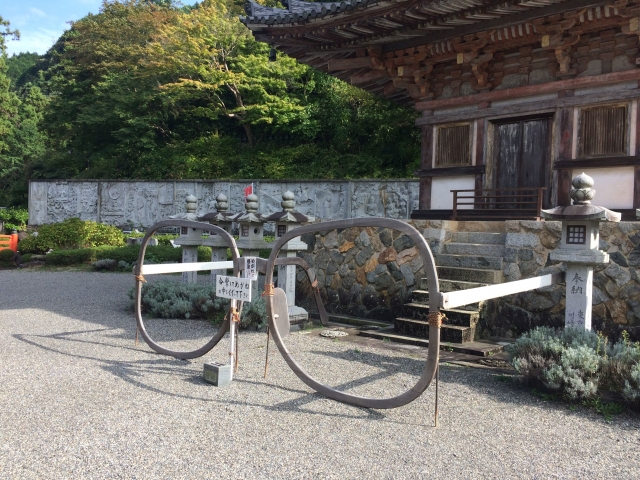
141, 204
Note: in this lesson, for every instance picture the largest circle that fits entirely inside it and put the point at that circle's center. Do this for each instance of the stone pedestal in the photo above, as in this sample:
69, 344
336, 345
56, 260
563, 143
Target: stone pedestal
578, 248
579, 281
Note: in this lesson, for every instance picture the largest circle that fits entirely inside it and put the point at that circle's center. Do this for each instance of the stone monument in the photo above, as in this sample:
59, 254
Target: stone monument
287, 220
223, 219
578, 248
190, 238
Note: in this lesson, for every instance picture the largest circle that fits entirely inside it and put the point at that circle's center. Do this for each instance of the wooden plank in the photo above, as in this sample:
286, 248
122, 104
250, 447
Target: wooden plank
564, 188
636, 187
465, 297
184, 267
349, 63
533, 107
450, 171
599, 162
367, 76
485, 25
425, 193
426, 150
530, 90
480, 149
565, 148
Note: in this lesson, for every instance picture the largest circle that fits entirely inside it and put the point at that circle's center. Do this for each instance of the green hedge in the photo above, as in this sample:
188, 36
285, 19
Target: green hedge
127, 253
71, 234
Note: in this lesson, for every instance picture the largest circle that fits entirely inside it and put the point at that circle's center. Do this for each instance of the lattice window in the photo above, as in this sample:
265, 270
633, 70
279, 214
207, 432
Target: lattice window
184, 230
603, 131
453, 145
282, 229
244, 230
577, 234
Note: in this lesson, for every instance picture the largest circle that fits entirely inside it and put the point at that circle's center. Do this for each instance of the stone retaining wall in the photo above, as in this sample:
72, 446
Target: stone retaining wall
616, 286
371, 273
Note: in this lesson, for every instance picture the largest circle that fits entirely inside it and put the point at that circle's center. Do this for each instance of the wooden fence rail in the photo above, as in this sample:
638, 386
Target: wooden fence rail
498, 203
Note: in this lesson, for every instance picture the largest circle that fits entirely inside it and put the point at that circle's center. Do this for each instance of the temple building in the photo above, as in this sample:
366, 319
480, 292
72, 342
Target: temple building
516, 97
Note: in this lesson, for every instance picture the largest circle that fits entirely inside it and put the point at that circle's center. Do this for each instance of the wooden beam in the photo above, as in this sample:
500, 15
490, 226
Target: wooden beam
184, 267
426, 151
461, 30
531, 107
530, 90
367, 76
425, 193
473, 295
349, 63
600, 162
450, 171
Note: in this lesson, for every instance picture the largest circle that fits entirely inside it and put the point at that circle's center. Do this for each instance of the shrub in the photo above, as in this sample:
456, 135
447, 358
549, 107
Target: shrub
71, 257
6, 257
168, 299
71, 234
578, 364
106, 264
14, 218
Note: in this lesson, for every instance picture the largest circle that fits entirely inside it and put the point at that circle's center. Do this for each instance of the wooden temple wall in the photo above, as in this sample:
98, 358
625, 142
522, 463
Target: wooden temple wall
529, 84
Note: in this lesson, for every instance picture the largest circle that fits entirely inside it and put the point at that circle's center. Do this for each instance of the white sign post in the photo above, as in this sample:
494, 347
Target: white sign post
235, 288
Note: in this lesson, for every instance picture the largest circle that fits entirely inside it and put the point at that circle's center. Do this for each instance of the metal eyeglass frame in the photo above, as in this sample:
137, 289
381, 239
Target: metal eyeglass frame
267, 267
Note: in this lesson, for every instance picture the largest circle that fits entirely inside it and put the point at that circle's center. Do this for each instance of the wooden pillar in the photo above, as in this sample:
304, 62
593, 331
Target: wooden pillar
426, 158
481, 126
425, 193
636, 170
564, 154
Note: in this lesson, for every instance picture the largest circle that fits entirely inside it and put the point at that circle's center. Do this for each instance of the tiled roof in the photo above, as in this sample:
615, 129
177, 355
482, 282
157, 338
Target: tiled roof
297, 11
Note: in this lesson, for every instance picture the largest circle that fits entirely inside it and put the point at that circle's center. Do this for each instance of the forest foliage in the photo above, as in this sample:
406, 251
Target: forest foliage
157, 90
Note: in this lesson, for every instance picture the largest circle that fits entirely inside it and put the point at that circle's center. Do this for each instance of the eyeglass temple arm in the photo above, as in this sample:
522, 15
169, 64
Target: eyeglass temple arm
261, 266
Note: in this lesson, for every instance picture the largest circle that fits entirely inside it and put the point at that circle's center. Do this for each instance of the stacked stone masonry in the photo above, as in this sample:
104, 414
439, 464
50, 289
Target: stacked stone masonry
374, 273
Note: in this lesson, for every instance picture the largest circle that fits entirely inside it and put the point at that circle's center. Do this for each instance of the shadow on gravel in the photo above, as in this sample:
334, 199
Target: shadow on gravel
134, 372
140, 373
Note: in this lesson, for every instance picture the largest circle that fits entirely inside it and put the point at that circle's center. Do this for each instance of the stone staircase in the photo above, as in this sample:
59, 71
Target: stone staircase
467, 260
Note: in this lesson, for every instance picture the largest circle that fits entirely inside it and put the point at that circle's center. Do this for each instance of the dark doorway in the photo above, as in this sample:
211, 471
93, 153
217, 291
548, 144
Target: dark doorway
522, 156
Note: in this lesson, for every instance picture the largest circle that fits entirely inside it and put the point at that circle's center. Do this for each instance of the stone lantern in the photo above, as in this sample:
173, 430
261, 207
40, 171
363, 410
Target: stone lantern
223, 219
190, 239
251, 225
578, 248
285, 221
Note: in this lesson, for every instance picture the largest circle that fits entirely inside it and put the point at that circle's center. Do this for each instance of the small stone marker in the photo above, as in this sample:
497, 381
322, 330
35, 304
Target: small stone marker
578, 248
217, 374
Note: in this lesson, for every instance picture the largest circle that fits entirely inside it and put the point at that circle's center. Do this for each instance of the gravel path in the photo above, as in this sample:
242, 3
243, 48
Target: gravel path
79, 400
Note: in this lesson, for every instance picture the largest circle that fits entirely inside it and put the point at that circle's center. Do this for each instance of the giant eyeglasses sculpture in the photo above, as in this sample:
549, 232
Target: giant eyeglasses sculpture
277, 308
276, 302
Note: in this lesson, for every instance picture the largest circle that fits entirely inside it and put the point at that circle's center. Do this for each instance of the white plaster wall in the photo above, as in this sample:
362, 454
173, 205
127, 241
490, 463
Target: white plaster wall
441, 196
613, 186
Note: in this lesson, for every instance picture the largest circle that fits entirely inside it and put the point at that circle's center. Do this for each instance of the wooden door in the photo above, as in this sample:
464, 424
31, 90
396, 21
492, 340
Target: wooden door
522, 156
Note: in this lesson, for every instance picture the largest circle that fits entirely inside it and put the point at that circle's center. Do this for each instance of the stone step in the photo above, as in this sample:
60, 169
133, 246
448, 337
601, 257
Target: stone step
482, 249
420, 329
469, 261
455, 316
478, 237
470, 274
422, 297
481, 349
447, 285
475, 226
457, 285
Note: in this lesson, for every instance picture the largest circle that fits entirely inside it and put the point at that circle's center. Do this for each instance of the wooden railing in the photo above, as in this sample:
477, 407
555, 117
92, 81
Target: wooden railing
503, 203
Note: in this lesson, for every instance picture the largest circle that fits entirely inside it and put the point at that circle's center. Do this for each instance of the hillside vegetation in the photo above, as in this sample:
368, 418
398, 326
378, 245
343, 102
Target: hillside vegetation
156, 90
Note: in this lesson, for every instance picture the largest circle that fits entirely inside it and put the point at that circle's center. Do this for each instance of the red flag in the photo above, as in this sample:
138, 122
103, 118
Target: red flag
248, 190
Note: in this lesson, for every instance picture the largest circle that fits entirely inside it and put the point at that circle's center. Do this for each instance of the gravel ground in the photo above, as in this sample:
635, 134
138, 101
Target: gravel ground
79, 400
